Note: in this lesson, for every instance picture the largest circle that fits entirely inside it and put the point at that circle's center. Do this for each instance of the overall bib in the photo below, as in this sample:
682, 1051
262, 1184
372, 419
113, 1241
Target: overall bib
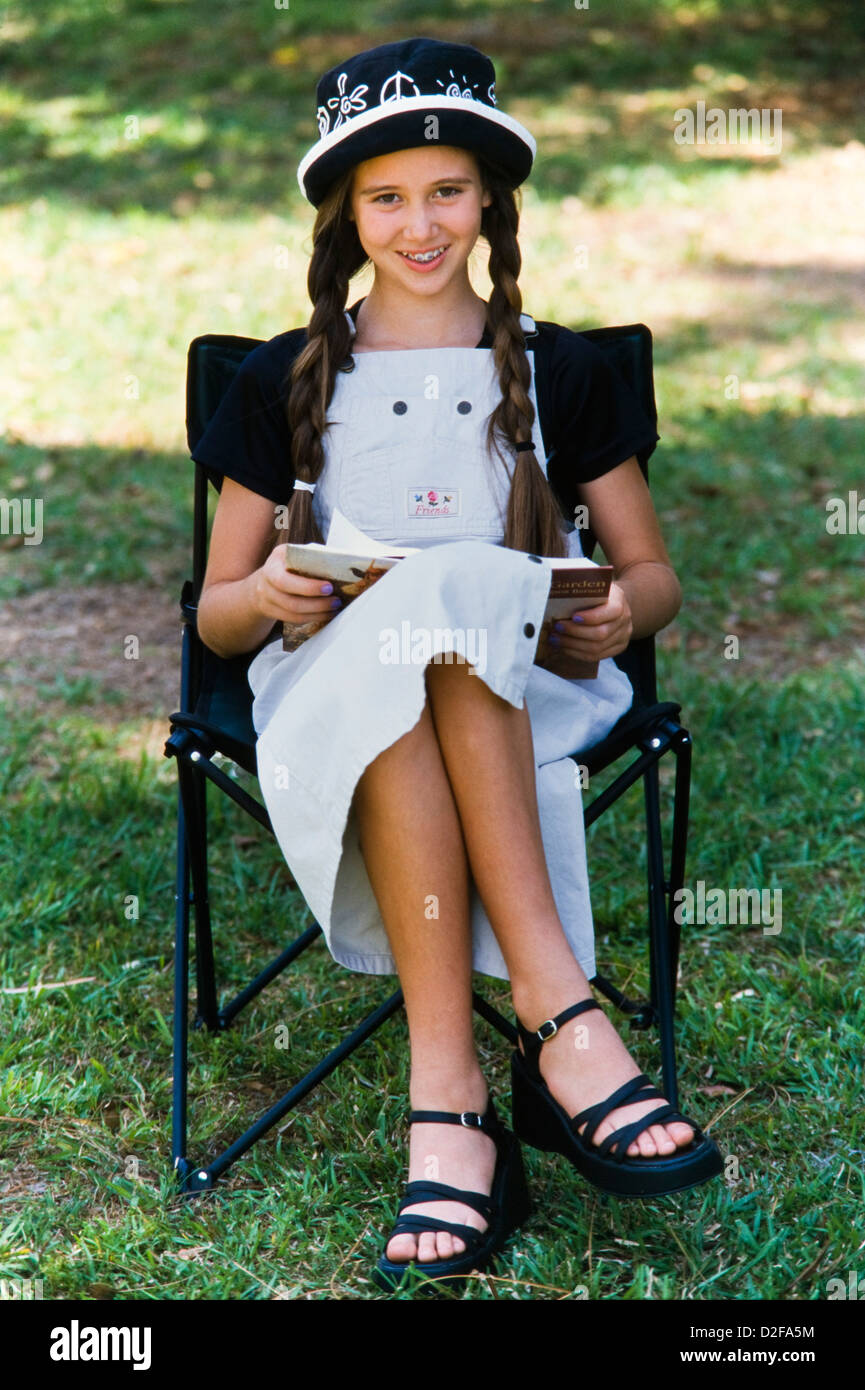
406, 462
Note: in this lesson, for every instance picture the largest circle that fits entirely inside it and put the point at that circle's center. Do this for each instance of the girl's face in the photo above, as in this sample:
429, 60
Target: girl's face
416, 201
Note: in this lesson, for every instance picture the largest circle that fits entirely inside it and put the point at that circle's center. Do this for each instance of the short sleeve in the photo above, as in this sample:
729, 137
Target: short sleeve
248, 438
597, 421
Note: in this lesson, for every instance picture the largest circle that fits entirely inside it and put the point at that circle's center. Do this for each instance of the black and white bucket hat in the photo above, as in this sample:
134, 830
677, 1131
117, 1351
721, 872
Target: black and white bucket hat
384, 99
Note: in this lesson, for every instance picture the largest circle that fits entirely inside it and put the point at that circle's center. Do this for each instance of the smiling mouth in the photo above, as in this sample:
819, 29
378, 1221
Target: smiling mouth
424, 257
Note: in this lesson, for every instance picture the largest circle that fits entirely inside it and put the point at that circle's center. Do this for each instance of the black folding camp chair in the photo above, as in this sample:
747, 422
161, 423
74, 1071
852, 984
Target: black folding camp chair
215, 719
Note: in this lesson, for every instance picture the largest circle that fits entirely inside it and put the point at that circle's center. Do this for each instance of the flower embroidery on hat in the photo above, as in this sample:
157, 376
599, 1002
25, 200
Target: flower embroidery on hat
346, 104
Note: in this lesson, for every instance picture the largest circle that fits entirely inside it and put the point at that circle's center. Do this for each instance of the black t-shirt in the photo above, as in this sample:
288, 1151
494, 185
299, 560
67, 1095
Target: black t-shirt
590, 419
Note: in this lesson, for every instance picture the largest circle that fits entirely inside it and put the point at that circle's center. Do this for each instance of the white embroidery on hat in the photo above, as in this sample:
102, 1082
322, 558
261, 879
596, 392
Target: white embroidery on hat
395, 81
353, 102
491, 93
454, 90
323, 121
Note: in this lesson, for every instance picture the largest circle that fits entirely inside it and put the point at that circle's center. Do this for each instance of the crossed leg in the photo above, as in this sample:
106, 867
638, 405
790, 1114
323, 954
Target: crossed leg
454, 798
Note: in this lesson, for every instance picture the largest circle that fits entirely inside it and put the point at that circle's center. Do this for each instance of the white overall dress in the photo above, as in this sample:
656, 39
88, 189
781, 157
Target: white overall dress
406, 461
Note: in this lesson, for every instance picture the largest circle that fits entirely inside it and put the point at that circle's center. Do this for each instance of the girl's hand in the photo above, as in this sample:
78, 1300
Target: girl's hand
280, 594
604, 631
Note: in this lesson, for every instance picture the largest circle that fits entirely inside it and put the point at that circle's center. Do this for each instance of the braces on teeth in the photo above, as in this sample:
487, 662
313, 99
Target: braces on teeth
427, 255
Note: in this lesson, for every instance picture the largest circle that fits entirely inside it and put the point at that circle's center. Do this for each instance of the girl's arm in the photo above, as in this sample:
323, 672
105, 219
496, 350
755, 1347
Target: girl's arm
646, 594
247, 588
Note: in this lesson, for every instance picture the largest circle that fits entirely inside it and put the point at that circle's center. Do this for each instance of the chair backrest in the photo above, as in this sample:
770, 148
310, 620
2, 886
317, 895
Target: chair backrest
214, 359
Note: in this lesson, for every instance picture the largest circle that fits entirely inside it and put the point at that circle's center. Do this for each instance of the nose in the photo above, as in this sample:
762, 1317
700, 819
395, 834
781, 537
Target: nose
420, 223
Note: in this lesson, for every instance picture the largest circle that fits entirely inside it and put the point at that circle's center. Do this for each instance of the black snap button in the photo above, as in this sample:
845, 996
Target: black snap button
529, 629
348, 365
464, 407
537, 559
399, 407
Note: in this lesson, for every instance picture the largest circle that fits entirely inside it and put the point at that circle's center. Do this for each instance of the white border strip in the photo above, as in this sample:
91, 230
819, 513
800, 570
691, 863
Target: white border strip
419, 103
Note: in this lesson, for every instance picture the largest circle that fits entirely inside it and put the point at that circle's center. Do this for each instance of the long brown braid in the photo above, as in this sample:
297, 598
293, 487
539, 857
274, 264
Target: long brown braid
534, 521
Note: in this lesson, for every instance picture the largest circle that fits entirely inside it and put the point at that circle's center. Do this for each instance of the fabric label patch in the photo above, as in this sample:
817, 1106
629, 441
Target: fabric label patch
432, 501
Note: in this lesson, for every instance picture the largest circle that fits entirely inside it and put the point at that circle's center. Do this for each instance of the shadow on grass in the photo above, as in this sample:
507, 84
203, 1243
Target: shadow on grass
226, 106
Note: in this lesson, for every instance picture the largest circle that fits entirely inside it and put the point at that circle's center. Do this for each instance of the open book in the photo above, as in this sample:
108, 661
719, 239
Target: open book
351, 561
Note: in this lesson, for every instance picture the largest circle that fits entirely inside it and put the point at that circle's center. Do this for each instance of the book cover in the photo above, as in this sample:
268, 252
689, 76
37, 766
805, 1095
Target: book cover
575, 585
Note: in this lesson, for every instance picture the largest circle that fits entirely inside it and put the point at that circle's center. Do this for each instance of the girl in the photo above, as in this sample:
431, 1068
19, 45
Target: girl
428, 808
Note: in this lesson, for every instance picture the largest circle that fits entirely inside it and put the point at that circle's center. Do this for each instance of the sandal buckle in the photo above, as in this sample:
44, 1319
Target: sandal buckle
471, 1119
552, 1026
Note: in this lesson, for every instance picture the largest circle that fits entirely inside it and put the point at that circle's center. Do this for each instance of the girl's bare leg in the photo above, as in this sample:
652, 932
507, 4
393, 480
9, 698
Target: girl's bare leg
413, 848
486, 746
459, 789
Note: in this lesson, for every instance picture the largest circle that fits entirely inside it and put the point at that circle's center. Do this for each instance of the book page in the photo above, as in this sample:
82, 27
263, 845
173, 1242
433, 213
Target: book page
343, 535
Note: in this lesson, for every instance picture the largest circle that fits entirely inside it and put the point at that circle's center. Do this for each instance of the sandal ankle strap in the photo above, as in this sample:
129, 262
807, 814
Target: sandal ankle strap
534, 1040
489, 1123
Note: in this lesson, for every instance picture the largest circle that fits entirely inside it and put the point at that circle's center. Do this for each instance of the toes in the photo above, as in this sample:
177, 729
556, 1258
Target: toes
401, 1249
646, 1142
435, 1245
664, 1142
449, 1246
426, 1247
655, 1141
681, 1133
661, 1140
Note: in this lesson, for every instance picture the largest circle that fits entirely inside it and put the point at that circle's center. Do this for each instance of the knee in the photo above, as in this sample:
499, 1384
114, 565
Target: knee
441, 667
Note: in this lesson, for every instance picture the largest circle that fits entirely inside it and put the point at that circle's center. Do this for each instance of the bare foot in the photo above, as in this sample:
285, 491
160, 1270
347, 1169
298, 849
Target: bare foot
584, 1063
457, 1156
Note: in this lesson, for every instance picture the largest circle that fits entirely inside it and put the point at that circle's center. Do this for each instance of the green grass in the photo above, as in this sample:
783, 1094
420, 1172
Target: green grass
745, 267
774, 1020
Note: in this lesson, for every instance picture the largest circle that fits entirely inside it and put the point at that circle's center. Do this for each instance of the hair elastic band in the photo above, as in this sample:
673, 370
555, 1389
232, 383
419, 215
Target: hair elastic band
526, 447
307, 487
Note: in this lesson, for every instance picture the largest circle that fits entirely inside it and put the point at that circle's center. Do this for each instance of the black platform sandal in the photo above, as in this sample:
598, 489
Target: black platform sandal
504, 1209
541, 1122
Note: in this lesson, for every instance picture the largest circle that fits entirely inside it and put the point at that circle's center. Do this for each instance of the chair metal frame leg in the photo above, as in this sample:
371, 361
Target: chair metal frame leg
664, 931
182, 899
662, 994
681, 808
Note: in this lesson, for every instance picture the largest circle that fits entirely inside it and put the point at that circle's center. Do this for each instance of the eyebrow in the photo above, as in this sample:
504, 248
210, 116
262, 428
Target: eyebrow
390, 187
